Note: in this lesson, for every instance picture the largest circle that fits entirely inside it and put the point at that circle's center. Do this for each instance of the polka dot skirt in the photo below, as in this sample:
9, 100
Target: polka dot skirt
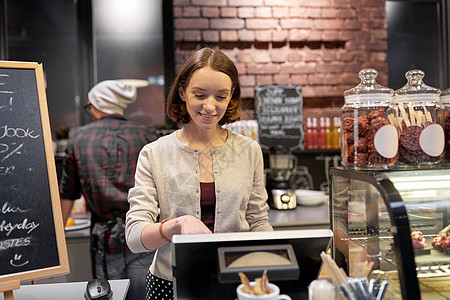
158, 289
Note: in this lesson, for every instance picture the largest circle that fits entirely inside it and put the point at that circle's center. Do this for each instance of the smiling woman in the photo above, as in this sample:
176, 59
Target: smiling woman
207, 97
217, 61
203, 177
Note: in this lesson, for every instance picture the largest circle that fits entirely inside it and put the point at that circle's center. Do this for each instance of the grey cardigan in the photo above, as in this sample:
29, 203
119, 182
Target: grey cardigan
167, 176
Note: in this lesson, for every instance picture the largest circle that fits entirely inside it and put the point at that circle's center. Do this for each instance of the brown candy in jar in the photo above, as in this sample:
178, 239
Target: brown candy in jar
421, 137
409, 148
368, 140
445, 102
447, 134
361, 150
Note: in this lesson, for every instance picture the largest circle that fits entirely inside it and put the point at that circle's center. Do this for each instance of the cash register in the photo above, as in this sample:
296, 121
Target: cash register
206, 266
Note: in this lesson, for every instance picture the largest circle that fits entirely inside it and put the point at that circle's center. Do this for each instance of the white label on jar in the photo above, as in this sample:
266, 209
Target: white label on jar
432, 140
386, 141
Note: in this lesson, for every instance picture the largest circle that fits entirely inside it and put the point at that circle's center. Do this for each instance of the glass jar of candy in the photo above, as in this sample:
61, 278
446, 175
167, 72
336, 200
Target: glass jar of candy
368, 139
445, 102
421, 136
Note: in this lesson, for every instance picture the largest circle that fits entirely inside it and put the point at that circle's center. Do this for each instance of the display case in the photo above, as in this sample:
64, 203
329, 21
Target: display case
397, 224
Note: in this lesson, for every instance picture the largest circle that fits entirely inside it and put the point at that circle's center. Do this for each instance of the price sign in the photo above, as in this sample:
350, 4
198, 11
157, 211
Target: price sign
280, 116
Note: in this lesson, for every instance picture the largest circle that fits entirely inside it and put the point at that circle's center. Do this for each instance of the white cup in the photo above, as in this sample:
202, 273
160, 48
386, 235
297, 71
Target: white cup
275, 295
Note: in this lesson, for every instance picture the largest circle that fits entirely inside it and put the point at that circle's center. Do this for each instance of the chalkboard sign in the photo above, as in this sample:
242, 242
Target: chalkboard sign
32, 240
280, 116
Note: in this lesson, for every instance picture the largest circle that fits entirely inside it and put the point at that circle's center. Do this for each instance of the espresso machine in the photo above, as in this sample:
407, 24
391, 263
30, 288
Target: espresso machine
279, 180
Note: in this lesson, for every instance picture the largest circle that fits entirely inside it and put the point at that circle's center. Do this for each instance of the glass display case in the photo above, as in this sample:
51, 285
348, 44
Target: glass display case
394, 225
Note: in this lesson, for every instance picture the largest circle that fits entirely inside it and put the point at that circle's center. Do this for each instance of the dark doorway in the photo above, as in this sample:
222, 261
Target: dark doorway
417, 39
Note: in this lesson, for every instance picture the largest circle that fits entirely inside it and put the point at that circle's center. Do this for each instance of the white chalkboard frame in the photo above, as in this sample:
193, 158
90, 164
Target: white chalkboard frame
63, 267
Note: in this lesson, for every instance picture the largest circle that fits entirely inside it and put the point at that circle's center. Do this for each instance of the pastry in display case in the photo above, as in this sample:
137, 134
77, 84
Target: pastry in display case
394, 225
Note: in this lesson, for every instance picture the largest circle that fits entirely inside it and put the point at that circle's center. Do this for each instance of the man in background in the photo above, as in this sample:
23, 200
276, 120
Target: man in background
99, 163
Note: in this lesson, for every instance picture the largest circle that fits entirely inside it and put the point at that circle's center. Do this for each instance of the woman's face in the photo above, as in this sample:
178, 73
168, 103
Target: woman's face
207, 96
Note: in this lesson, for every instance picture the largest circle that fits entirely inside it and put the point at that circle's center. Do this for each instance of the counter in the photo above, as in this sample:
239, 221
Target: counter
302, 217
66, 291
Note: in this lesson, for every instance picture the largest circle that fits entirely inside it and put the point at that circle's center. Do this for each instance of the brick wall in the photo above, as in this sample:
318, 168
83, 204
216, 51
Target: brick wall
318, 44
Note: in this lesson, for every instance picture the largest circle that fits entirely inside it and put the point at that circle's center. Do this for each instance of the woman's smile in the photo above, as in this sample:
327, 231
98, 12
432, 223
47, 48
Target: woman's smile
207, 116
207, 97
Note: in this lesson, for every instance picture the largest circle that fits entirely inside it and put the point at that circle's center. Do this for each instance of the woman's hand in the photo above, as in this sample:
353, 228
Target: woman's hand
191, 225
156, 235
184, 225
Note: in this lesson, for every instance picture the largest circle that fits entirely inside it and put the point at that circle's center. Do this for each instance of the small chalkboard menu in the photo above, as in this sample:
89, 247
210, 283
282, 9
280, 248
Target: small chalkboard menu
32, 240
279, 110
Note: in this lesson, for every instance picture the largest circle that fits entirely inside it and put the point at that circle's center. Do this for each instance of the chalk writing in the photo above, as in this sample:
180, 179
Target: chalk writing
274, 100
9, 105
293, 100
281, 109
6, 148
9, 208
277, 132
271, 119
9, 132
7, 170
17, 261
292, 119
275, 91
28, 236
12, 243
24, 225
280, 116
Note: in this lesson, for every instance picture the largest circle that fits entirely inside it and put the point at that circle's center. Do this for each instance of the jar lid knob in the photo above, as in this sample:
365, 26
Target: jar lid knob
368, 76
368, 85
415, 85
415, 77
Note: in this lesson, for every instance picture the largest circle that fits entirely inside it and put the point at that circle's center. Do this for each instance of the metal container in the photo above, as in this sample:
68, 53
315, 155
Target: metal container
279, 182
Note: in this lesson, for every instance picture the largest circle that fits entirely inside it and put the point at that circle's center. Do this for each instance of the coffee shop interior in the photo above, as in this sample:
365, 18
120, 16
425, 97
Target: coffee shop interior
315, 48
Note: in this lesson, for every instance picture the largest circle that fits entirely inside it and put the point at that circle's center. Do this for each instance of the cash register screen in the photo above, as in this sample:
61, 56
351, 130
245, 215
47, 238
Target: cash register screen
196, 266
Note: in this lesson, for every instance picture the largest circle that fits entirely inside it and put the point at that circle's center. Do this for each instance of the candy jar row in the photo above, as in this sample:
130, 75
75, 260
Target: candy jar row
384, 129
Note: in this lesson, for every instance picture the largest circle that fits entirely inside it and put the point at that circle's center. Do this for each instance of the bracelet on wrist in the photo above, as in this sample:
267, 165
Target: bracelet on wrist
161, 232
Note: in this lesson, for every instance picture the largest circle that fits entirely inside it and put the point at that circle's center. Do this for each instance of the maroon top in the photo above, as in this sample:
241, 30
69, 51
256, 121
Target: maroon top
208, 203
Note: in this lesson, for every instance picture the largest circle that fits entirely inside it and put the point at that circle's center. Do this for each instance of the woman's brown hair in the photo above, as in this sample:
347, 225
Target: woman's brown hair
217, 60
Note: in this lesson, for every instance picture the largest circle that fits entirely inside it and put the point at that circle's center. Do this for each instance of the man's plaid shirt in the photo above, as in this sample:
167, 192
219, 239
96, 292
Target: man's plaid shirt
100, 163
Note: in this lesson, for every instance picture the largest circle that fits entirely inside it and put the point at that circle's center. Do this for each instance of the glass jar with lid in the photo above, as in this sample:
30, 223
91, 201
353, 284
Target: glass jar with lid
421, 136
368, 140
445, 102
